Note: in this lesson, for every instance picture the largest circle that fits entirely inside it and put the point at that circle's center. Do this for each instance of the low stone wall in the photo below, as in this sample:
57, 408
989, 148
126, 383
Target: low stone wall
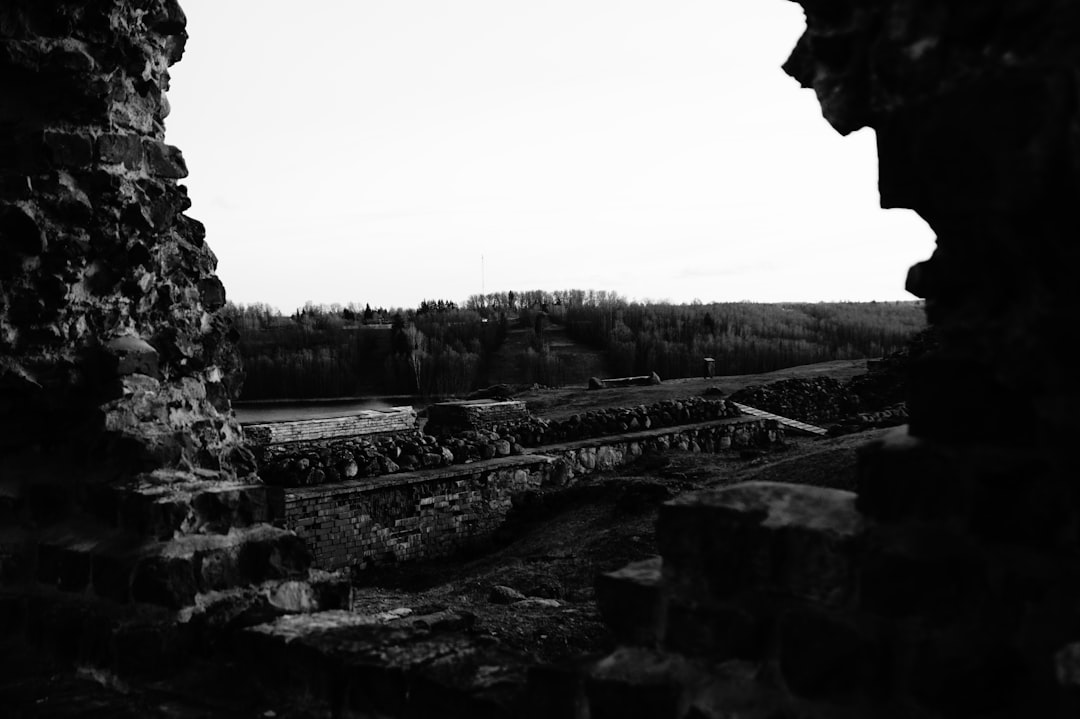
363, 422
415, 515
537, 431
577, 459
816, 400
473, 414
330, 460
410, 515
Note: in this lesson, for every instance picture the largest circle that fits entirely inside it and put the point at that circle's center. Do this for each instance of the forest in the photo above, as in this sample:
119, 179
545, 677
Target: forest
440, 348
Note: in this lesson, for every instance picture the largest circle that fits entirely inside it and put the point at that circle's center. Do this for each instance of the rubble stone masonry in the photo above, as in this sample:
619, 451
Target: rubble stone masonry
122, 473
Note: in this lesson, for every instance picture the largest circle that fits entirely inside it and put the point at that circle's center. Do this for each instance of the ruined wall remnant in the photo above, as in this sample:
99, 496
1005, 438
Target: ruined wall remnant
113, 359
948, 585
975, 112
364, 423
122, 475
440, 510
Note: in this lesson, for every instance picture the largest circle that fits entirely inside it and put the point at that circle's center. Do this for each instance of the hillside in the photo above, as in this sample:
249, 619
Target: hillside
560, 340
567, 362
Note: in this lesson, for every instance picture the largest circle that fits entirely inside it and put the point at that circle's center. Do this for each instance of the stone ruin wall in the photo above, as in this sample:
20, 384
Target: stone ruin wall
364, 423
510, 430
122, 472
947, 587
435, 512
113, 359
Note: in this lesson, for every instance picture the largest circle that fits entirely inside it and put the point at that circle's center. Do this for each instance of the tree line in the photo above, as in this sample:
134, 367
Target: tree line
443, 348
742, 338
335, 351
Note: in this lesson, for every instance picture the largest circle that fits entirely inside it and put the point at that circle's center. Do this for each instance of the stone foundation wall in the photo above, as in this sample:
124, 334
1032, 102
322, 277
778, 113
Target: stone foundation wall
473, 415
325, 460
124, 482
363, 423
414, 515
580, 459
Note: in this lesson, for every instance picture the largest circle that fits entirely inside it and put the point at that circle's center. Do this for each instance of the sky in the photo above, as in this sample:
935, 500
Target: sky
389, 151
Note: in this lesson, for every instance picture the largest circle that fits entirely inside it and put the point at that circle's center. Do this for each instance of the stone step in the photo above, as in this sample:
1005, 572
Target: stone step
161, 509
631, 602
145, 640
634, 682
766, 537
122, 568
155, 505
378, 665
785, 421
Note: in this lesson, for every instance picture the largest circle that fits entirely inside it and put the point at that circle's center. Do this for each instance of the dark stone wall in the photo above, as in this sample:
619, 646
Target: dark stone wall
948, 585
439, 510
123, 479
113, 360
978, 129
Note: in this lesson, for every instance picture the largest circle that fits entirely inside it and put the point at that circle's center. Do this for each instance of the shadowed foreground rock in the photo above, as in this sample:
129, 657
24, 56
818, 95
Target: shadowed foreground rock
957, 595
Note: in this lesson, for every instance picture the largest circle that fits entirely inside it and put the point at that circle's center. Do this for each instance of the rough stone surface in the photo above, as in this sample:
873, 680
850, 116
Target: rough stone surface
362, 423
130, 504
948, 587
435, 510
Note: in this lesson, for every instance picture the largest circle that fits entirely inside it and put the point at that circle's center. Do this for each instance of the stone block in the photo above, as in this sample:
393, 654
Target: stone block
65, 567
972, 673
164, 160
822, 655
787, 539
69, 149
1019, 497
900, 476
113, 148
133, 355
929, 571
732, 630
636, 683
166, 581
632, 603
112, 574
556, 690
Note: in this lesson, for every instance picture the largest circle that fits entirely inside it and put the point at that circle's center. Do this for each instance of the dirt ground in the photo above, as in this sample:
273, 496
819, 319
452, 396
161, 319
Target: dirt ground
562, 542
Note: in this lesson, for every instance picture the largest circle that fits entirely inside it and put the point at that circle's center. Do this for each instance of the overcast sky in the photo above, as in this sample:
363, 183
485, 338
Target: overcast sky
373, 151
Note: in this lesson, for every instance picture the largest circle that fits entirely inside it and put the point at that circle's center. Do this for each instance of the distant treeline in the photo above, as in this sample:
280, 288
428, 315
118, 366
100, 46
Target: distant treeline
333, 351
742, 338
440, 348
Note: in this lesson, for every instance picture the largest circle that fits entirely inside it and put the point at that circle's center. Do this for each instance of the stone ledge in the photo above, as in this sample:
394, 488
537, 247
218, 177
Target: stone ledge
405, 479
361, 423
794, 540
631, 602
646, 434
414, 666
